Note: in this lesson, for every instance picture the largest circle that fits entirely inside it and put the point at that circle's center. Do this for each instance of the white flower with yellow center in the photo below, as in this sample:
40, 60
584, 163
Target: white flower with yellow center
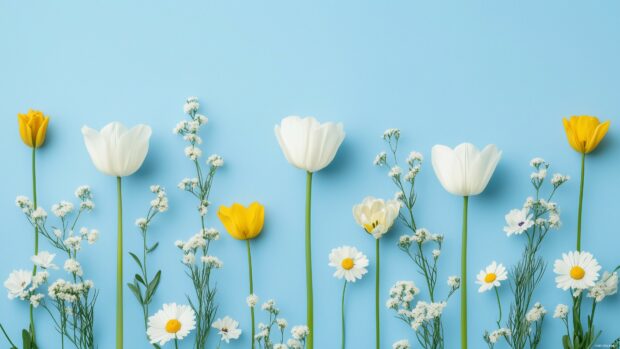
172, 322
491, 276
349, 263
576, 270
376, 216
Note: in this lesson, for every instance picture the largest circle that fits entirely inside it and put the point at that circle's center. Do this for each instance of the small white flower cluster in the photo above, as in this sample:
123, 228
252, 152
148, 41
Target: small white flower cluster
66, 291
252, 300
425, 312
73, 243
495, 336
606, 286
391, 133
414, 160
62, 209
199, 243
454, 282
536, 313
215, 161
189, 184
298, 333
380, 159
160, 203
189, 128
421, 236
401, 344
212, 262
561, 311
85, 195
521, 220
538, 177
74, 267
402, 295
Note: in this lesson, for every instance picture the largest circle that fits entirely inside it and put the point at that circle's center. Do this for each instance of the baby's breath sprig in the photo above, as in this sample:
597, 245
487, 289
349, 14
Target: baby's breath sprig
73, 300
200, 187
538, 216
423, 317
143, 287
278, 325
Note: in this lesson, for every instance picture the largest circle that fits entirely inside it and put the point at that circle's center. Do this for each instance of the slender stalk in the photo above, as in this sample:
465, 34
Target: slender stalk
119, 268
464, 276
36, 236
377, 287
7, 337
251, 289
499, 306
309, 295
344, 337
583, 172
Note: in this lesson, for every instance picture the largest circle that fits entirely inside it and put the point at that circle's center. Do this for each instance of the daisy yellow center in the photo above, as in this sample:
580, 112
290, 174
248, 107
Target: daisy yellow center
577, 273
173, 326
371, 226
347, 264
490, 277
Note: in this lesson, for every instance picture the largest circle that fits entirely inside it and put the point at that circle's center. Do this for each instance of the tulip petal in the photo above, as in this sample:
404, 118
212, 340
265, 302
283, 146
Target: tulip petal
448, 169
225, 215
484, 168
97, 148
24, 130
133, 145
256, 219
571, 135
41, 132
597, 136
240, 219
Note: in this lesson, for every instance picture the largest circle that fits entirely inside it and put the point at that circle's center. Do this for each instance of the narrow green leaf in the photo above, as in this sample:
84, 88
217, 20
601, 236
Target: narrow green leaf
136, 259
136, 292
152, 248
150, 291
139, 278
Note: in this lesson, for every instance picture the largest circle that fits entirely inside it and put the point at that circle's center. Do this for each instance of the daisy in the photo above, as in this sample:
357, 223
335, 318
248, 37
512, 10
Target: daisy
491, 276
171, 322
44, 260
228, 328
576, 270
17, 284
349, 263
518, 221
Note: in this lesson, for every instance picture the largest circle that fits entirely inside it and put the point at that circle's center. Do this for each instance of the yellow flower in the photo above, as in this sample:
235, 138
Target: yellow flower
33, 127
584, 133
243, 223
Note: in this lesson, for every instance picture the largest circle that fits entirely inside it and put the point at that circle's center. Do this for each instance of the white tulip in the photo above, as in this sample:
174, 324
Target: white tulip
376, 216
116, 150
308, 144
464, 170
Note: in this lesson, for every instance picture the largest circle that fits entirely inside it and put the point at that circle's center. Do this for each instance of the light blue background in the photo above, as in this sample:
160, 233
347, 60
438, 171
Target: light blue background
481, 71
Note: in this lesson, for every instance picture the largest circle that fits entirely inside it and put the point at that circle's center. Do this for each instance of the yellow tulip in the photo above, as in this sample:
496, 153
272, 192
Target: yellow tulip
33, 127
243, 223
584, 133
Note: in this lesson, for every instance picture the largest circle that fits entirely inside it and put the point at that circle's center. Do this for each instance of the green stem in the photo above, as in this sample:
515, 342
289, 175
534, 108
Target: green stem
377, 279
176, 343
36, 236
583, 172
344, 337
7, 337
309, 296
464, 276
251, 289
119, 268
499, 306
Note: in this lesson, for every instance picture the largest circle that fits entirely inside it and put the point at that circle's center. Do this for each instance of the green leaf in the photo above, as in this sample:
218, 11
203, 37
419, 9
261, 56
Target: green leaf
139, 278
136, 292
150, 291
26, 339
135, 258
566, 342
152, 248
